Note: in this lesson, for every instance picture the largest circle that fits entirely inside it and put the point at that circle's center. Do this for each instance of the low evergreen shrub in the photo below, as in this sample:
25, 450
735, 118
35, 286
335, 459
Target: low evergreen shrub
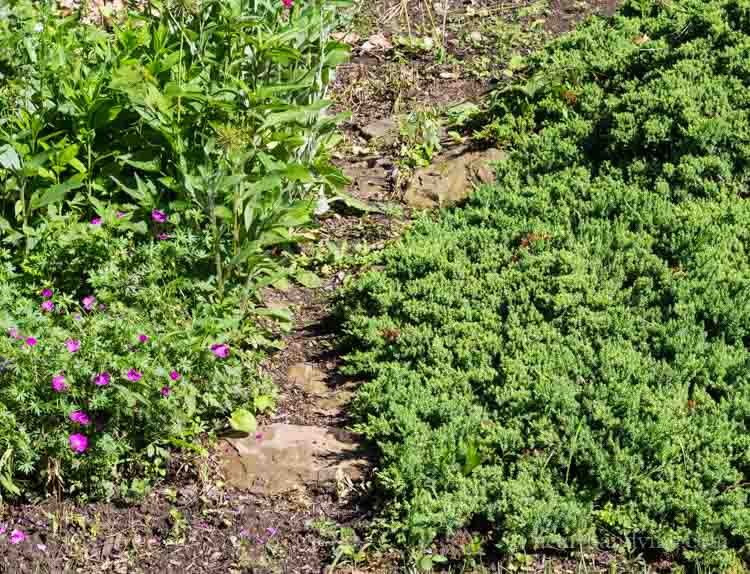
563, 360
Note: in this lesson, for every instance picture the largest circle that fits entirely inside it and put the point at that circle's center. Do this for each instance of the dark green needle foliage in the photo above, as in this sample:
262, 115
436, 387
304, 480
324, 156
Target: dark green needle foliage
563, 361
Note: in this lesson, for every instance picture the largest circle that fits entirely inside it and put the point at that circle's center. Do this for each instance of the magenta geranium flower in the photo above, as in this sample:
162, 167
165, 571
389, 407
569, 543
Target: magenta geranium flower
58, 383
163, 236
78, 442
158, 216
287, 3
102, 379
17, 536
48, 305
142, 338
175, 376
165, 391
96, 221
47, 293
88, 302
121, 214
72, 345
80, 417
220, 350
134, 375
30, 341
13, 332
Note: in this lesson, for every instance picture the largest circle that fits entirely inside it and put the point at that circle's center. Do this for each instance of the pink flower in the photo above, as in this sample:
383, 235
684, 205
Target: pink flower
287, 3
13, 332
58, 383
102, 379
17, 536
47, 293
175, 376
221, 351
158, 216
165, 391
134, 375
78, 442
121, 214
163, 236
88, 302
142, 338
41, 547
72, 345
80, 417
48, 305
102, 307
96, 221
30, 341
77, 317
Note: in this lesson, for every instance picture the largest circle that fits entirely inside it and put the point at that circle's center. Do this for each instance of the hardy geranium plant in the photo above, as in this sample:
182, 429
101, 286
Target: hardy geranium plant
84, 391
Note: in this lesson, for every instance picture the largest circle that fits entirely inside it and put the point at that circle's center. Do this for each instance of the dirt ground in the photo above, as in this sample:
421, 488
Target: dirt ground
406, 56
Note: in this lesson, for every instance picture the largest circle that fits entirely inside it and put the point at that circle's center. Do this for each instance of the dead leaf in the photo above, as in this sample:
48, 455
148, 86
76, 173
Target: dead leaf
346, 37
377, 43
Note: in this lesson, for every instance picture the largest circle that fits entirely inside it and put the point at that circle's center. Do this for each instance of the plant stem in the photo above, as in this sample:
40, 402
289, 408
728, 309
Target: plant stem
217, 246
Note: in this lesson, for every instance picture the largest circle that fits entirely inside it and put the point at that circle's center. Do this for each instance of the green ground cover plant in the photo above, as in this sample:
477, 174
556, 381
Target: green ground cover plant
563, 361
156, 170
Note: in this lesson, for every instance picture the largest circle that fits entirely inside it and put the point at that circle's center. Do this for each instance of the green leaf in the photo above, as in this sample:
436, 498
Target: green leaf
298, 172
263, 403
223, 212
243, 420
308, 279
56, 193
105, 113
355, 203
9, 158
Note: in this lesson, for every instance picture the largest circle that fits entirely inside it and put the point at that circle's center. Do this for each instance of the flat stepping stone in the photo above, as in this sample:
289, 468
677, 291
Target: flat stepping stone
284, 457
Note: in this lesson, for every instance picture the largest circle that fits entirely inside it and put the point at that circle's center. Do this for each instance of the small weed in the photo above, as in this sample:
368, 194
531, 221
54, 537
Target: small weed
420, 138
348, 550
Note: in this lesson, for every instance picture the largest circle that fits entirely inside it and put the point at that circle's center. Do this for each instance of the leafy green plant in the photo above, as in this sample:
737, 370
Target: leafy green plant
420, 138
563, 359
215, 105
87, 385
348, 550
153, 176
